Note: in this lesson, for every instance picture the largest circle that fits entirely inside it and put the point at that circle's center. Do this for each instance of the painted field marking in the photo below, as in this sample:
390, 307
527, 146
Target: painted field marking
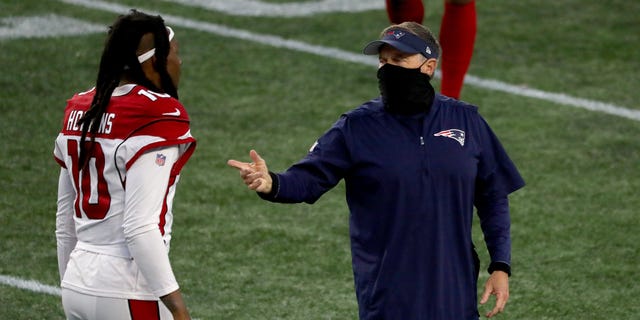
256, 8
29, 285
45, 26
334, 53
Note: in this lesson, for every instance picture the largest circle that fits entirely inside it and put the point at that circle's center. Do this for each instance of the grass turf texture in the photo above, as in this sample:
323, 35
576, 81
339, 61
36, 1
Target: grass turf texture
575, 239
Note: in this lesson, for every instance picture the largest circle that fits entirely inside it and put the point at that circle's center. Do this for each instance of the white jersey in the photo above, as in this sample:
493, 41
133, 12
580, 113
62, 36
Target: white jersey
114, 218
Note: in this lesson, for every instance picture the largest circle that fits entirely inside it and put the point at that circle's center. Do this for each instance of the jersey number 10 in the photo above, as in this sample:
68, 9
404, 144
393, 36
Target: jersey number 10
90, 183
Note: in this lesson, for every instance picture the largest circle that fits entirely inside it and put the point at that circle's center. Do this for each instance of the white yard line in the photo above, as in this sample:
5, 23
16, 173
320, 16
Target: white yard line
29, 285
264, 9
559, 98
45, 26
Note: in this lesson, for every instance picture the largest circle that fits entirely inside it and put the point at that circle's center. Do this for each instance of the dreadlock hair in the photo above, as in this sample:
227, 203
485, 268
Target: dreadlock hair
120, 59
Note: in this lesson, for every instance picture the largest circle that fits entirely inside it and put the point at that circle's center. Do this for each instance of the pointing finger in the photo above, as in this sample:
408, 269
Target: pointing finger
238, 164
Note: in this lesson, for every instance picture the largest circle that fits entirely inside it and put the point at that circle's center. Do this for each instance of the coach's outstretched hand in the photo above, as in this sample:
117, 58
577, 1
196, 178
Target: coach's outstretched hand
255, 174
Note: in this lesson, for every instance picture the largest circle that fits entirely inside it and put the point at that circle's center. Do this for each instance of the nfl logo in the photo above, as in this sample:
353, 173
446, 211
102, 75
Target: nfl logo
160, 158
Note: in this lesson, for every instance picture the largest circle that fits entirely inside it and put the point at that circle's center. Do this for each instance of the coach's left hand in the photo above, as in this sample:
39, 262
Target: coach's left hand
498, 285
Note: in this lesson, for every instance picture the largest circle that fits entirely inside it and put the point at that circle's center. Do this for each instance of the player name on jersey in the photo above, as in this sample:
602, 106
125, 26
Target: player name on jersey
106, 123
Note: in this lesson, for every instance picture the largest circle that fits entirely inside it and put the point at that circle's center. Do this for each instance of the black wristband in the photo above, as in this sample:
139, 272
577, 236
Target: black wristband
499, 266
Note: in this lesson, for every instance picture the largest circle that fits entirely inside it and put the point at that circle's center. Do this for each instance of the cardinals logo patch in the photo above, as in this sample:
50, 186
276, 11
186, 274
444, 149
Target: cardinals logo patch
455, 134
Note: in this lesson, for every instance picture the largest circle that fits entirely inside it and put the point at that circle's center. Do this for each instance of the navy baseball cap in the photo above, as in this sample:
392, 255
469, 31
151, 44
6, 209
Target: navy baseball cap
404, 41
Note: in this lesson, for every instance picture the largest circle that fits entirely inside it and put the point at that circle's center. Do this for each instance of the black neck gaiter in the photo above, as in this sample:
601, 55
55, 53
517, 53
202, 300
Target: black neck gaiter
405, 91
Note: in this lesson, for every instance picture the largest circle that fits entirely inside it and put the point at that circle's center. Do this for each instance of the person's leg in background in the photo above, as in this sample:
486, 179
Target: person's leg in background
405, 10
457, 38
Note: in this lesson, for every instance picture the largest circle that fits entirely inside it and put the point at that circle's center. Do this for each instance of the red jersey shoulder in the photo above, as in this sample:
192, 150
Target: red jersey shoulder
80, 100
142, 102
75, 109
130, 108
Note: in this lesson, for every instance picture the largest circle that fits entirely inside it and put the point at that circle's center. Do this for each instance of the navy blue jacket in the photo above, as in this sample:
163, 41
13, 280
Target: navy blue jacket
411, 185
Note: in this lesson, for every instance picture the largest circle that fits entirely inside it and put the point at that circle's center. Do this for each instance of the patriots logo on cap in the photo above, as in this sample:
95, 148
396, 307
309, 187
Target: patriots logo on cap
396, 33
455, 134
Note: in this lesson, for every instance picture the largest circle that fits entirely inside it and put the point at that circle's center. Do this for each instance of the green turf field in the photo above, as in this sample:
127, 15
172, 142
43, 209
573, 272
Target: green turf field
575, 225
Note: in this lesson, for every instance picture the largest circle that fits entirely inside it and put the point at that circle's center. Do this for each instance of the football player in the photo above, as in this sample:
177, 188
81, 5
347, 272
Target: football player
121, 148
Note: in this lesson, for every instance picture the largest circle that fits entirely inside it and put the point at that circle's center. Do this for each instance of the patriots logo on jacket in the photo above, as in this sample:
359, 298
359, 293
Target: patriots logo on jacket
455, 134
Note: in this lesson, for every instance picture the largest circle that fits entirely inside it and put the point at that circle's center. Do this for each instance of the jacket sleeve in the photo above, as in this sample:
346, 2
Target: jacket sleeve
495, 223
497, 178
319, 171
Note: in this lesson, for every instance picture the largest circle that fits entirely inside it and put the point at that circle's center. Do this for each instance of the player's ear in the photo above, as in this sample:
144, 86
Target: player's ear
429, 67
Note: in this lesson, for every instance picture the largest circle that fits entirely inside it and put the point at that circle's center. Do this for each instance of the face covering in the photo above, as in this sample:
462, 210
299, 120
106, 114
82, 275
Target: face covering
405, 91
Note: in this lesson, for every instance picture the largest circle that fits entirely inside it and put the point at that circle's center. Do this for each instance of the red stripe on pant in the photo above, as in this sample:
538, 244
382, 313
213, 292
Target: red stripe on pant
144, 310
